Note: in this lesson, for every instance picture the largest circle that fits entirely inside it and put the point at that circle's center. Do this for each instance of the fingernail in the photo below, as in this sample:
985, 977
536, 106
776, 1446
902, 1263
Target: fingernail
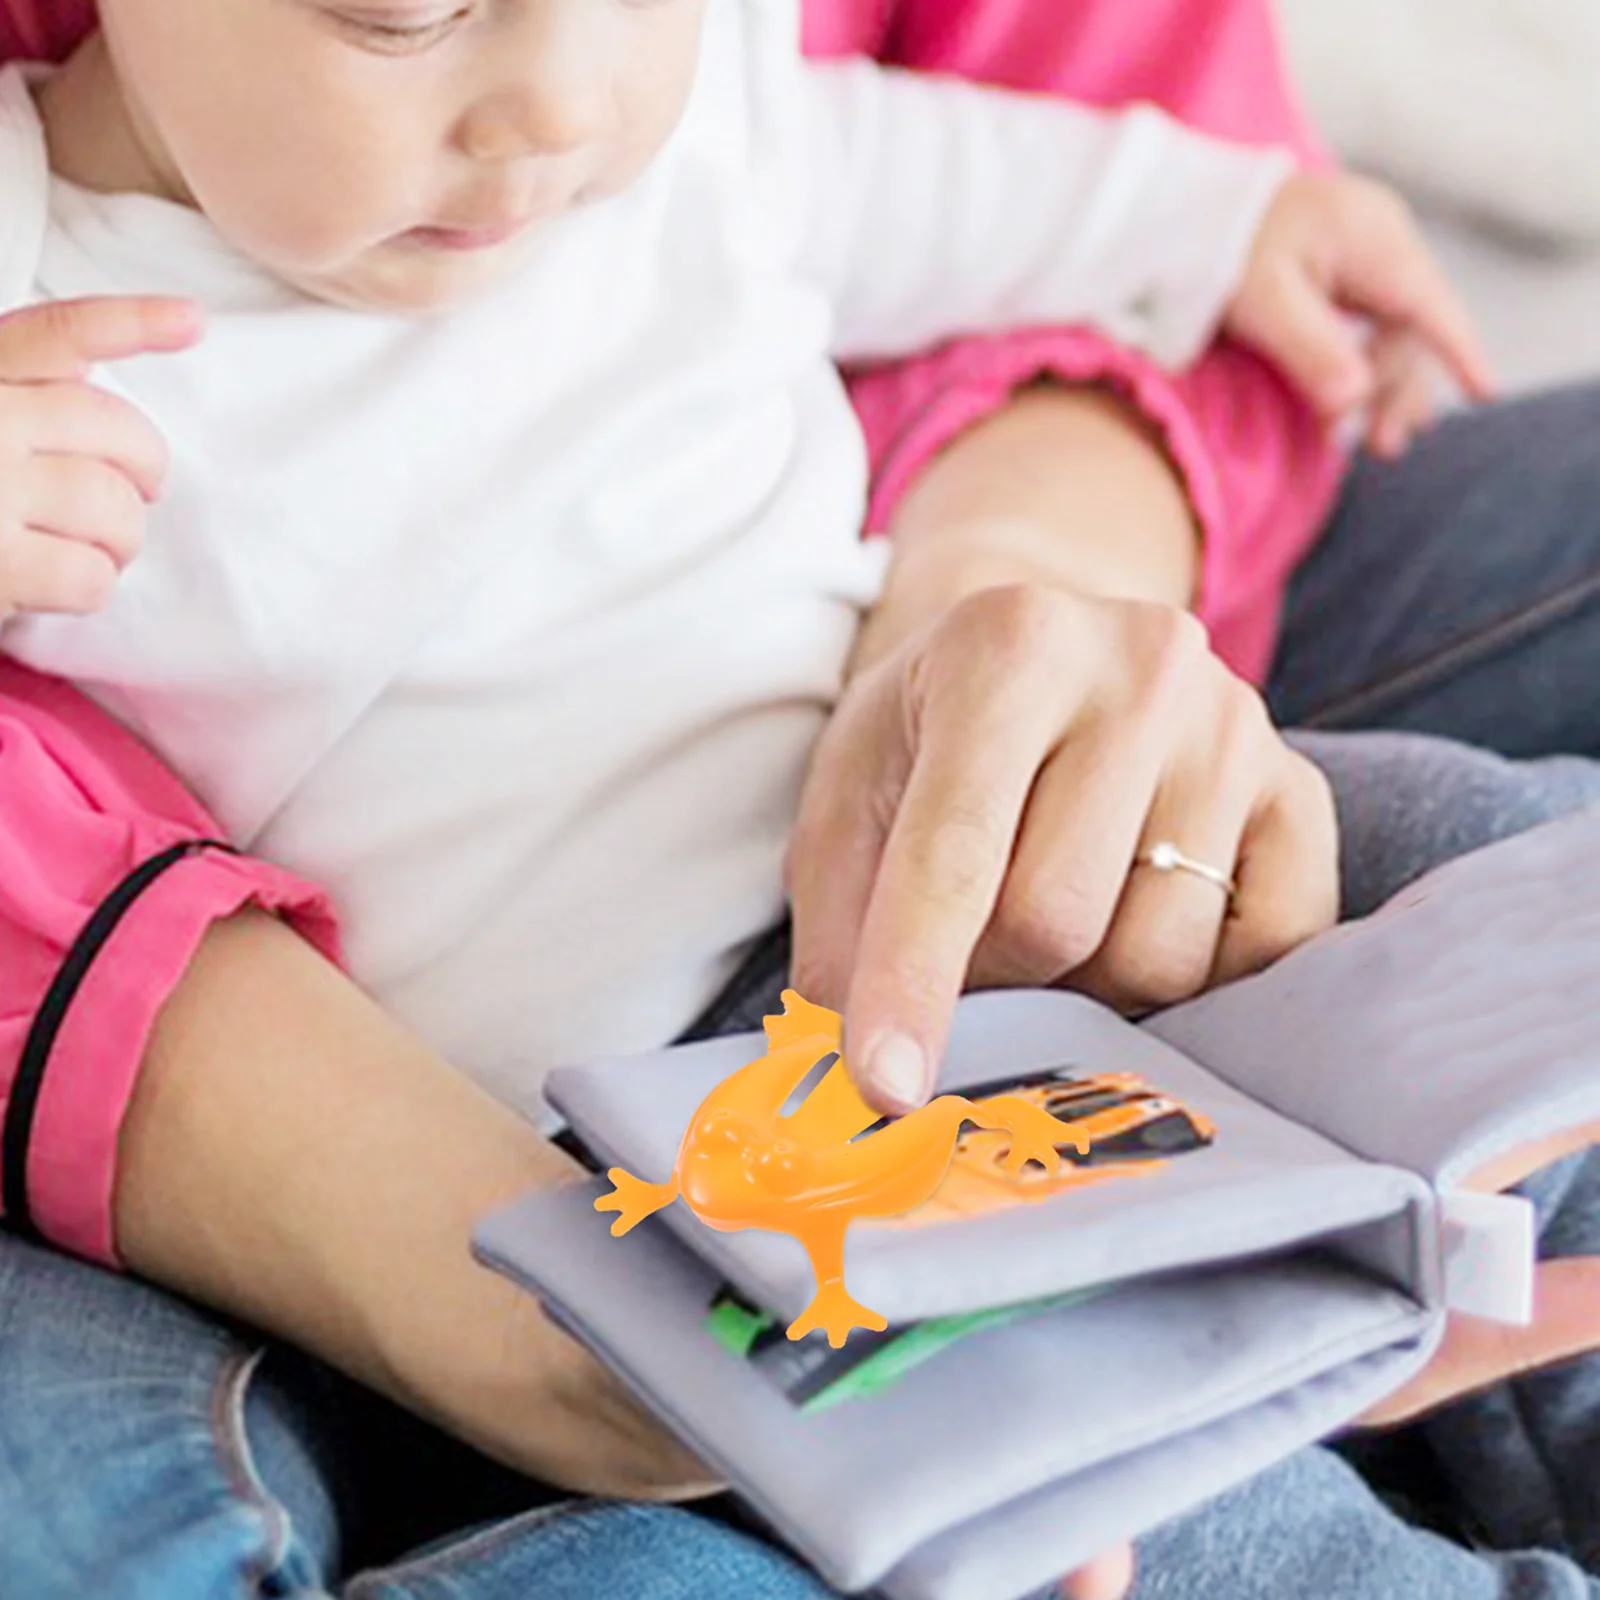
897, 1069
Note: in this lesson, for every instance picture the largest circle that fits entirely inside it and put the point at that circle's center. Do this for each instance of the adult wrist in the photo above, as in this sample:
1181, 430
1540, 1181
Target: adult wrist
1068, 487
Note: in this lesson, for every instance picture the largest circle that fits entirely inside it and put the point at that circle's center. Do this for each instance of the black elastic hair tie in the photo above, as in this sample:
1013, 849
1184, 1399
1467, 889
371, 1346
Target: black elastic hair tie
23, 1105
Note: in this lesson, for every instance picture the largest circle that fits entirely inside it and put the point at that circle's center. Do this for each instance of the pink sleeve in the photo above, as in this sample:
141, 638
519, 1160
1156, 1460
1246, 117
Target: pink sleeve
45, 30
110, 874
1260, 472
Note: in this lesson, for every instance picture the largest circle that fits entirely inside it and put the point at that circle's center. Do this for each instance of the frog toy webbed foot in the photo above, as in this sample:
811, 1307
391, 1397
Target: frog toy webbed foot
836, 1312
1035, 1134
634, 1199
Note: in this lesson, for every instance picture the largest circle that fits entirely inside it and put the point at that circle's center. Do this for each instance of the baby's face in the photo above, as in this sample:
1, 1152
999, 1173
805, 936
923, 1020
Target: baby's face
398, 154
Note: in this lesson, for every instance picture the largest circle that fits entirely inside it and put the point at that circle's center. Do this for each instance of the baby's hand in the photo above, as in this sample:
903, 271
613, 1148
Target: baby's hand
78, 466
1334, 246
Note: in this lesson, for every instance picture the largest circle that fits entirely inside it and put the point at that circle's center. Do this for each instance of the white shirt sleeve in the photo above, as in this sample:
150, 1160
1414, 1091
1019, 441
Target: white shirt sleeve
936, 207
24, 189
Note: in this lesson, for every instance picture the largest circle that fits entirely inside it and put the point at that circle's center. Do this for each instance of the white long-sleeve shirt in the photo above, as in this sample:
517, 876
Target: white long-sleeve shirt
515, 625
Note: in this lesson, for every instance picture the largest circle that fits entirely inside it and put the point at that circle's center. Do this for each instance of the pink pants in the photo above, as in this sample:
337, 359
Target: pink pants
110, 873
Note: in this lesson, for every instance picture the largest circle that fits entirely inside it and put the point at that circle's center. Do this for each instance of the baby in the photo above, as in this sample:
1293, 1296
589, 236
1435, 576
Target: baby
503, 553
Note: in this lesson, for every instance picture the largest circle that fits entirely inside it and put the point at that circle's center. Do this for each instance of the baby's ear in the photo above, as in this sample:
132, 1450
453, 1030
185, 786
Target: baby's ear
800, 1020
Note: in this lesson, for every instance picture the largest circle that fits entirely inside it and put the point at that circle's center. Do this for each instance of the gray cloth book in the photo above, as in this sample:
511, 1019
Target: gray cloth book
1267, 1203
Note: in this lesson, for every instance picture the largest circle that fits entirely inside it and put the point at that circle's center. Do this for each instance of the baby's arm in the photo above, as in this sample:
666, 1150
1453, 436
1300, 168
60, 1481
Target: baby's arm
938, 207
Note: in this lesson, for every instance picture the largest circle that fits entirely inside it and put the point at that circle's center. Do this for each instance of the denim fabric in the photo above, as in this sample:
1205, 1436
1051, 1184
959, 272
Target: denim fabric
152, 1452
1457, 590
149, 1451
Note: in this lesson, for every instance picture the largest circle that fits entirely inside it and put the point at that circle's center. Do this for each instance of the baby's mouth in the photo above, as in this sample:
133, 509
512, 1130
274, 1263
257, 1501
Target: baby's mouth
484, 237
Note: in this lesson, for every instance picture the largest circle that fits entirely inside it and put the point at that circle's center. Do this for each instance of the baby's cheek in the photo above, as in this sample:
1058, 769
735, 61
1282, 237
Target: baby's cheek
654, 106
310, 208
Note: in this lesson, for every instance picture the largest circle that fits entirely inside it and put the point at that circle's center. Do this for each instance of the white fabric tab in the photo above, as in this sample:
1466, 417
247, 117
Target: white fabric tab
1487, 1243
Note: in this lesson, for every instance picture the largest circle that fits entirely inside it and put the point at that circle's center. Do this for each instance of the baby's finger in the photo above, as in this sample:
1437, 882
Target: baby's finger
1397, 417
65, 338
77, 419
1294, 323
1404, 403
78, 497
1389, 273
40, 572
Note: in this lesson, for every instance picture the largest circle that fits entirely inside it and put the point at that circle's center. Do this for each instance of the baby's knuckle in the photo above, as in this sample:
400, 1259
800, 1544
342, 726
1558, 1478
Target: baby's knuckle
121, 514
157, 453
65, 323
130, 527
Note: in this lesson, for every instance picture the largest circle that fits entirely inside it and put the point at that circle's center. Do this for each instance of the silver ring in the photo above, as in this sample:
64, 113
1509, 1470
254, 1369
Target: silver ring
1167, 857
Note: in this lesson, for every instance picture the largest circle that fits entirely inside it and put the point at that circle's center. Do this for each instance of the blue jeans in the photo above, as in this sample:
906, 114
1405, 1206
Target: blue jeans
151, 1451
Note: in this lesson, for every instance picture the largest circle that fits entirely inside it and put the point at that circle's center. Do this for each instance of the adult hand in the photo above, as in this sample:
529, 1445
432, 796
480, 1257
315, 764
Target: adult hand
977, 808
78, 466
1333, 246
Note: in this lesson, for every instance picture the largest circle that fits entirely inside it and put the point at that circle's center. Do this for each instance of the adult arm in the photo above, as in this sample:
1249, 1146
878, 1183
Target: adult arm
294, 1157
192, 1088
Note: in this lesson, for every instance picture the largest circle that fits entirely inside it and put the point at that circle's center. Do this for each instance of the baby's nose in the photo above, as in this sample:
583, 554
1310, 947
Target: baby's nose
555, 97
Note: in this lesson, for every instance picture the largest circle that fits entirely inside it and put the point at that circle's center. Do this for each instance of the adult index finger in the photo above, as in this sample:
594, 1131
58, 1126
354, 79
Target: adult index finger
63, 339
938, 880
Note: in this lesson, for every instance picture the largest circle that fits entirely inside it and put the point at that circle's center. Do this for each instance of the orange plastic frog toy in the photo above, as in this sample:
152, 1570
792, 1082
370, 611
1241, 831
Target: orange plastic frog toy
742, 1164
